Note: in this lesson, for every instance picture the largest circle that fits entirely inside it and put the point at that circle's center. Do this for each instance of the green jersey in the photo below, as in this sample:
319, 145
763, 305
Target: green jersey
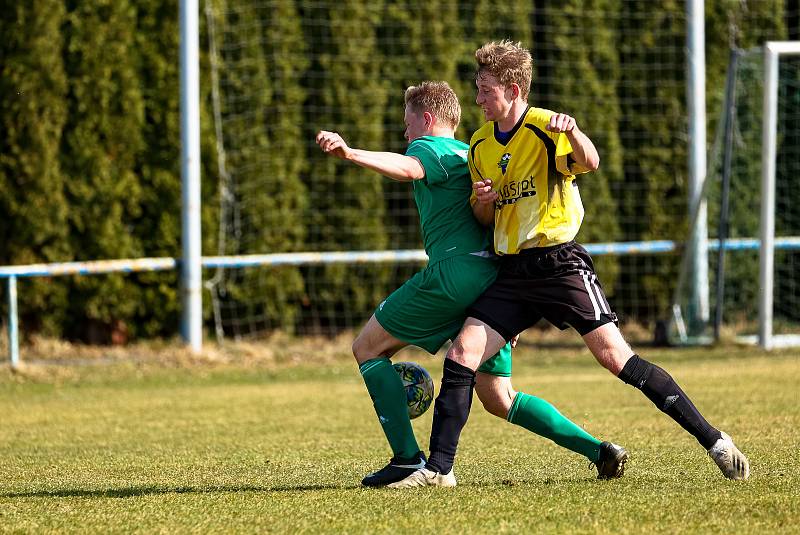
448, 226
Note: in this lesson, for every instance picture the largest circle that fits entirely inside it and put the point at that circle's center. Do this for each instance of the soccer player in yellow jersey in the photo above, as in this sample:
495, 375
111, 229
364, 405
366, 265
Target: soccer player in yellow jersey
430, 308
523, 163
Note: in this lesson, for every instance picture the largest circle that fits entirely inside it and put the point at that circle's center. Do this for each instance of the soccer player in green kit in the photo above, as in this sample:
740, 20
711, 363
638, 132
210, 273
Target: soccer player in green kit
429, 308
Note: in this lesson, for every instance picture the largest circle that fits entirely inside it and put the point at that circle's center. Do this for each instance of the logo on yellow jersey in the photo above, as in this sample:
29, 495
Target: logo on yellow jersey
503, 163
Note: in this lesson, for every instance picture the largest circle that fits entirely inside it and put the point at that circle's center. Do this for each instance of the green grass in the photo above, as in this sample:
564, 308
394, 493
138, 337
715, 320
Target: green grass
198, 447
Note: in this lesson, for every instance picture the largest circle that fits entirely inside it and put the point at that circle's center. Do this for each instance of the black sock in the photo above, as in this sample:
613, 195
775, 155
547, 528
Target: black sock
450, 413
664, 392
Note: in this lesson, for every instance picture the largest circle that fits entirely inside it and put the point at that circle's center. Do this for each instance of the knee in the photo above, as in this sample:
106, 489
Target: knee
456, 351
613, 356
493, 404
495, 401
607, 356
361, 351
465, 353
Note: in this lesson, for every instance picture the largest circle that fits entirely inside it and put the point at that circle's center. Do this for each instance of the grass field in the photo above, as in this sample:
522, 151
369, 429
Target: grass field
238, 445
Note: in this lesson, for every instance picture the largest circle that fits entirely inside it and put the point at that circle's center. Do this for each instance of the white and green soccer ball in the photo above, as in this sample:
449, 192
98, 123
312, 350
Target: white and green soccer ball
419, 387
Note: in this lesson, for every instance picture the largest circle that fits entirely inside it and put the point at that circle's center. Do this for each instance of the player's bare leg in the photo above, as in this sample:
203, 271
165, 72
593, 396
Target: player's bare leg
373, 341
496, 393
610, 349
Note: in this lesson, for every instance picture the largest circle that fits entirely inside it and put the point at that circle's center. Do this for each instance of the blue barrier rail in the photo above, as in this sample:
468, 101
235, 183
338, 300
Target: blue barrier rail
12, 273
89, 268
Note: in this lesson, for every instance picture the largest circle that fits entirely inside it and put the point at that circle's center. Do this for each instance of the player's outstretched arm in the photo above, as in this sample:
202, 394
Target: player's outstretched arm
583, 150
483, 208
390, 164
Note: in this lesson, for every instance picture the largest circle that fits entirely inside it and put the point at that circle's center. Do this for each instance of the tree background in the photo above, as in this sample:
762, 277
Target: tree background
89, 144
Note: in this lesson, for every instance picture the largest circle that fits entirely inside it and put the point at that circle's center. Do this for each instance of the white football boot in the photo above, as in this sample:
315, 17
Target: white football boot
731, 461
426, 478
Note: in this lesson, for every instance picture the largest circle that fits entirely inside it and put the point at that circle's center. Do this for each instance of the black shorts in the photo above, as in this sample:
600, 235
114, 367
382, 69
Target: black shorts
556, 283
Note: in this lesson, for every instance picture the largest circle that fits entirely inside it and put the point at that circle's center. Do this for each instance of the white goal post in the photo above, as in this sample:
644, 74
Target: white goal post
773, 50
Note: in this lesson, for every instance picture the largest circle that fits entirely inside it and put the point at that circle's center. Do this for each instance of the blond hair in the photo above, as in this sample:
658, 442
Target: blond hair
437, 98
507, 61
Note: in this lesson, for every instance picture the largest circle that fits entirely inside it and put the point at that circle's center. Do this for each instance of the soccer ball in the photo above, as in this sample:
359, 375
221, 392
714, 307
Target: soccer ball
419, 387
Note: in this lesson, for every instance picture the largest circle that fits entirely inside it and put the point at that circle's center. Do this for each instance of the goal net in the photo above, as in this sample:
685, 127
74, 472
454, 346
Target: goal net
283, 69
739, 212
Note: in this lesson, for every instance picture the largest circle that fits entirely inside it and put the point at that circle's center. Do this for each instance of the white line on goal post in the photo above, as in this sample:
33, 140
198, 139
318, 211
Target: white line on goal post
772, 52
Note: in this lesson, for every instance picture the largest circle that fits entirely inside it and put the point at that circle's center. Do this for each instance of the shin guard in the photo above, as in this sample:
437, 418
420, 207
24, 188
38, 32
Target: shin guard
664, 392
450, 413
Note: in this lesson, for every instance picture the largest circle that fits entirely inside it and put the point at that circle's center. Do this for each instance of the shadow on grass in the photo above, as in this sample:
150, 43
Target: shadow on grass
133, 492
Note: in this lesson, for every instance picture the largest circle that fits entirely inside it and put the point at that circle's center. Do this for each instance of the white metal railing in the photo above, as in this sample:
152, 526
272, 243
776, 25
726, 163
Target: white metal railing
12, 273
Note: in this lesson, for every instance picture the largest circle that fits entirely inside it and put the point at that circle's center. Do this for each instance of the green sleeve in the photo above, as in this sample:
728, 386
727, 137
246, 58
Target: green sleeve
422, 150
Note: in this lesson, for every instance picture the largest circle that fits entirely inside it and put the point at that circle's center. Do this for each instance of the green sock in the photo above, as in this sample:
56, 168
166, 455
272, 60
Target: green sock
389, 399
539, 416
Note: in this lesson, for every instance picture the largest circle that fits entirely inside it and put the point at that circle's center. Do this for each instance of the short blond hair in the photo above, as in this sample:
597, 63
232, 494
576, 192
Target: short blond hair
507, 61
437, 98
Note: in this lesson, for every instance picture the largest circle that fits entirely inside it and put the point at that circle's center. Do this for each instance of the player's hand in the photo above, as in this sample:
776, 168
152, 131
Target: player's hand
561, 122
484, 192
514, 341
333, 144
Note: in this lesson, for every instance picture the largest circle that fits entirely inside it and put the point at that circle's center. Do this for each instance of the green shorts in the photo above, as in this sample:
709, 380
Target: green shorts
500, 364
430, 308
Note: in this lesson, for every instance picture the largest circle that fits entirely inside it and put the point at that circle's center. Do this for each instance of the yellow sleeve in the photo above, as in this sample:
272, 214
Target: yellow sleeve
563, 146
565, 164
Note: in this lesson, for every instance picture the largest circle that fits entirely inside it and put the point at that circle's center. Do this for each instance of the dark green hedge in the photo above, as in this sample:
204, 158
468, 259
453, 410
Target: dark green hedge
89, 142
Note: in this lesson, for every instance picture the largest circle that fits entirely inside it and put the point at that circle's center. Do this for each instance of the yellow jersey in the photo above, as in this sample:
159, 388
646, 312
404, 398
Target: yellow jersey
533, 172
